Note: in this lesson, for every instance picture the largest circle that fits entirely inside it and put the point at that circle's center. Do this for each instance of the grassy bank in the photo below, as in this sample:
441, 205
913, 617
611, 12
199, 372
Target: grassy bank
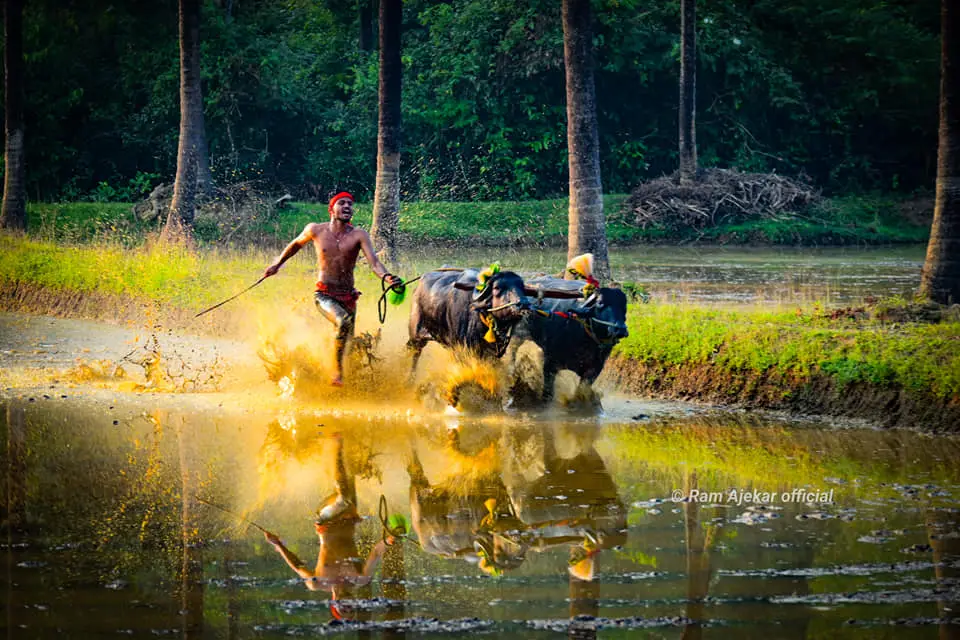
842, 221
888, 362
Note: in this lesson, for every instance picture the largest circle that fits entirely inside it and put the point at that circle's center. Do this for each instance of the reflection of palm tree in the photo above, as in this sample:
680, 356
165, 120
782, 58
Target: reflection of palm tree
233, 603
191, 573
15, 504
942, 532
16, 498
699, 545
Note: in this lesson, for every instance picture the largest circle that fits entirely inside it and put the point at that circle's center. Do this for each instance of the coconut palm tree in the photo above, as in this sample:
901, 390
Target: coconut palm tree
688, 91
587, 225
13, 215
386, 200
940, 281
183, 205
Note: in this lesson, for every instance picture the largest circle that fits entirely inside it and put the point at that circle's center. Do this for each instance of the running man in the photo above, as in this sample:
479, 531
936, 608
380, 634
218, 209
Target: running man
338, 244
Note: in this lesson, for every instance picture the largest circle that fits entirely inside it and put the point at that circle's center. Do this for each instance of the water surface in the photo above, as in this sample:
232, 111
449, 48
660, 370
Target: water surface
129, 516
831, 275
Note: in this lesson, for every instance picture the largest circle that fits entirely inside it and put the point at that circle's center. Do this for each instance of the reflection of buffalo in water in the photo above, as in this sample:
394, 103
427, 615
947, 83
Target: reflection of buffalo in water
581, 343
466, 514
563, 500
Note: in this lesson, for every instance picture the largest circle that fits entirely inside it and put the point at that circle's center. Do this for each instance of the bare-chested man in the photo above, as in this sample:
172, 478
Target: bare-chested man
338, 243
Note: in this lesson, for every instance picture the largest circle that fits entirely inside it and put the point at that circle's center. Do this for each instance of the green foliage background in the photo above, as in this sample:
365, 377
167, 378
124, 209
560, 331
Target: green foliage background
842, 90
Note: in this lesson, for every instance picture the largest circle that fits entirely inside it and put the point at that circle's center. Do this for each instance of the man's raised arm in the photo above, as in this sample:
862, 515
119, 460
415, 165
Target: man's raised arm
290, 250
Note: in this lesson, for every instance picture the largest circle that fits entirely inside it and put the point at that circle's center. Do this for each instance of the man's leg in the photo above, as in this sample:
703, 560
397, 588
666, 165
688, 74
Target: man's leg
343, 503
343, 320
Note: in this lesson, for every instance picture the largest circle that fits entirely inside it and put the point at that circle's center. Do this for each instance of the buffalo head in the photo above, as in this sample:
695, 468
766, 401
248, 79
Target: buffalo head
502, 295
606, 309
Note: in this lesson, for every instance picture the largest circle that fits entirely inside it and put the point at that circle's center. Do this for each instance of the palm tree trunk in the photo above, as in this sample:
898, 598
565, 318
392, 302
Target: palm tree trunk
688, 91
182, 207
13, 214
191, 568
940, 281
386, 205
587, 225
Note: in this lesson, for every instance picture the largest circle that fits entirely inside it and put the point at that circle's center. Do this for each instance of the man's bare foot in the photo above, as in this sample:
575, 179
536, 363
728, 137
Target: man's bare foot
336, 382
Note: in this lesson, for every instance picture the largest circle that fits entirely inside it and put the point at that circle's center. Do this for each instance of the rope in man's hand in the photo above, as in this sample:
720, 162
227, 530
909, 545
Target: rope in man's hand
393, 293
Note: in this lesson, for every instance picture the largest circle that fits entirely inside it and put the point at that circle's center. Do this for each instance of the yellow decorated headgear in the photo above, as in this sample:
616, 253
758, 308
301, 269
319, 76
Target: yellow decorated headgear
484, 277
581, 266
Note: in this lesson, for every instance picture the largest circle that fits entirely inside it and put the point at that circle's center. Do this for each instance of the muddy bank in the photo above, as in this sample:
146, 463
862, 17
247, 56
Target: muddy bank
886, 406
24, 297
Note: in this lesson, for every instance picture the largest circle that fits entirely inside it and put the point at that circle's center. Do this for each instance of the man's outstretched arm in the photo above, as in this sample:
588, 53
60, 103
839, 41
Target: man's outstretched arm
290, 557
290, 250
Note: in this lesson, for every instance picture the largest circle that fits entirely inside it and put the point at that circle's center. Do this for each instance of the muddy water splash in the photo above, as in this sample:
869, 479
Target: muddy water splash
519, 526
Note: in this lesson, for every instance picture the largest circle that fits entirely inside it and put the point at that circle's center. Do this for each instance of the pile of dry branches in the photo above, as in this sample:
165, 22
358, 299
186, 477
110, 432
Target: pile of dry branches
717, 196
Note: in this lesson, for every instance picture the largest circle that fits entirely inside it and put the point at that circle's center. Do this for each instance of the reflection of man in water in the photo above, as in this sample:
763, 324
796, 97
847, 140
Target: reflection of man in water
339, 568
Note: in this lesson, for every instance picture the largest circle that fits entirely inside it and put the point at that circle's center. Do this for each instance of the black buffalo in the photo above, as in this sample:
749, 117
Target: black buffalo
448, 309
581, 342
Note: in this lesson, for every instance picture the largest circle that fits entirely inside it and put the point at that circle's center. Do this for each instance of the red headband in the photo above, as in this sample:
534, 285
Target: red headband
333, 200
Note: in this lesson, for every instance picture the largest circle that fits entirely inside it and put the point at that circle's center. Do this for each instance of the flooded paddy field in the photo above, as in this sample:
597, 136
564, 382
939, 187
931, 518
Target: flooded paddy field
135, 508
144, 516
729, 275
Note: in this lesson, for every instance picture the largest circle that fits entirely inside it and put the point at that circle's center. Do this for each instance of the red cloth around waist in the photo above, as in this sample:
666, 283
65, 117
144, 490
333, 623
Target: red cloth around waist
347, 298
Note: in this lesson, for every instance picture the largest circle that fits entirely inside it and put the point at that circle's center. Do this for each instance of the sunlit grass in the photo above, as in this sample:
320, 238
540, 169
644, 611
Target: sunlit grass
845, 221
799, 341
529, 222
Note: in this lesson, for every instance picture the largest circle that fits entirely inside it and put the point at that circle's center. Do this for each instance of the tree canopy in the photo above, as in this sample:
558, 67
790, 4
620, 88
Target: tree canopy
842, 90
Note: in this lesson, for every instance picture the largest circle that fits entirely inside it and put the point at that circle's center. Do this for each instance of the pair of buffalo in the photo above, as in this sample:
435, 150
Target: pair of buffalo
487, 313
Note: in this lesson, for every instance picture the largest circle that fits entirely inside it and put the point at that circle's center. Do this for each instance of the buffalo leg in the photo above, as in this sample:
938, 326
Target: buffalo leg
586, 390
549, 379
522, 391
415, 346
